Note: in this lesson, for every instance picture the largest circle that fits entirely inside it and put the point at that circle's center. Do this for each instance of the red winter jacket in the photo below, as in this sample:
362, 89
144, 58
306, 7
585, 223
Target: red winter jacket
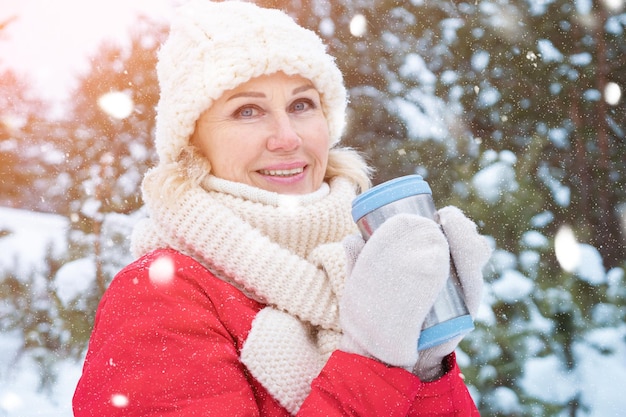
173, 350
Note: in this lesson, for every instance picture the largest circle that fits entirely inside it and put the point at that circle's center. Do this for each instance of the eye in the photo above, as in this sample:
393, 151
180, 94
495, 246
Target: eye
246, 112
302, 105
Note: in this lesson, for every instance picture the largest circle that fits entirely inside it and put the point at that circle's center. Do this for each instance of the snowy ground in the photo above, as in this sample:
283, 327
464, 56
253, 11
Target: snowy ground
20, 395
21, 251
598, 379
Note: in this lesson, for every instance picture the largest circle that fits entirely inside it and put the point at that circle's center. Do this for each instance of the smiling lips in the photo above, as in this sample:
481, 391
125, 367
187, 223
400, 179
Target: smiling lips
282, 172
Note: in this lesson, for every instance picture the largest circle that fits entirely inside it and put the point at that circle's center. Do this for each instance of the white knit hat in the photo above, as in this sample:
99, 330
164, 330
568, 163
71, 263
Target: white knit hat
215, 47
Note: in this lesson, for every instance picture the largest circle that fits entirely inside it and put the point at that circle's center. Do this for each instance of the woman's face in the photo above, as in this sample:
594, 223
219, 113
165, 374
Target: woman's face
269, 132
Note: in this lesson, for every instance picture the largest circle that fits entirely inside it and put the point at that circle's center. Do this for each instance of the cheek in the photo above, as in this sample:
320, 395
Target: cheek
232, 152
221, 155
320, 140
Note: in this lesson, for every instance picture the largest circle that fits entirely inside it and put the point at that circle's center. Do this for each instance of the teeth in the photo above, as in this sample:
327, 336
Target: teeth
281, 172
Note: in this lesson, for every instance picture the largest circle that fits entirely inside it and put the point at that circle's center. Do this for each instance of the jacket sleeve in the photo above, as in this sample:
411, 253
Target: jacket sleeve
158, 348
353, 385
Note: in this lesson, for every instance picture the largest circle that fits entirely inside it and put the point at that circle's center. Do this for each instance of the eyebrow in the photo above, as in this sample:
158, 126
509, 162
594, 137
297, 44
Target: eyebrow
295, 91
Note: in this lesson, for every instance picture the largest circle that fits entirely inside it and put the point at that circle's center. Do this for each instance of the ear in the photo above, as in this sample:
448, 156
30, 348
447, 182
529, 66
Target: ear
193, 163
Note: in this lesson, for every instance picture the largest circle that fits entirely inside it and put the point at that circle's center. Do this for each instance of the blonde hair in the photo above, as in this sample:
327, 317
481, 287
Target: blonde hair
173, 179
349, 163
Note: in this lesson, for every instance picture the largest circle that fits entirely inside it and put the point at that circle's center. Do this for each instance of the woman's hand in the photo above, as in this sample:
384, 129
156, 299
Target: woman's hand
391, 288
470, 252
395, 280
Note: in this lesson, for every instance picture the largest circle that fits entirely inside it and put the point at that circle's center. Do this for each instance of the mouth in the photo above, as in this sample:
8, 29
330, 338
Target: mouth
281, 172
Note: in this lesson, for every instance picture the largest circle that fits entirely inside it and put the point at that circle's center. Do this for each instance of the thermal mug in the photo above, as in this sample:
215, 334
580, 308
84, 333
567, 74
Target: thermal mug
449, 317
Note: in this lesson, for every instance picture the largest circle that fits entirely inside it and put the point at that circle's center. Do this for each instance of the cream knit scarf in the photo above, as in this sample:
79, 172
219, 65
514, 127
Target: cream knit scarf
281, 250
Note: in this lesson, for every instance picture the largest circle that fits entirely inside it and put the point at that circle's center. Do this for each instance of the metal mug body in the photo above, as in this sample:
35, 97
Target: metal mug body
449, 316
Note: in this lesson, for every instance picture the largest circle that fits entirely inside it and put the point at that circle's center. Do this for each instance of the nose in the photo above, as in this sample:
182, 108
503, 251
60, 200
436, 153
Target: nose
283, 135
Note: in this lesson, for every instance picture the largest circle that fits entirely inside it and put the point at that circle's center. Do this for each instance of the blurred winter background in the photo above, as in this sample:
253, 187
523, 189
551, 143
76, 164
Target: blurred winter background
512, 110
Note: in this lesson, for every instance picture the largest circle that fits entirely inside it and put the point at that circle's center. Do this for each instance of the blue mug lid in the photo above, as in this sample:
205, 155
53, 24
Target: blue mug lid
388, 192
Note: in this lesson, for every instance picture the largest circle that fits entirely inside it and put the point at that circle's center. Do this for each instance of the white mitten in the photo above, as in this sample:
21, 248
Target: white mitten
353, 245
470, 252
391, 288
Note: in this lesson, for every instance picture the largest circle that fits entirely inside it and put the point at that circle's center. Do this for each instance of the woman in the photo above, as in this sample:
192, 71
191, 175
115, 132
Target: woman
252, 293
